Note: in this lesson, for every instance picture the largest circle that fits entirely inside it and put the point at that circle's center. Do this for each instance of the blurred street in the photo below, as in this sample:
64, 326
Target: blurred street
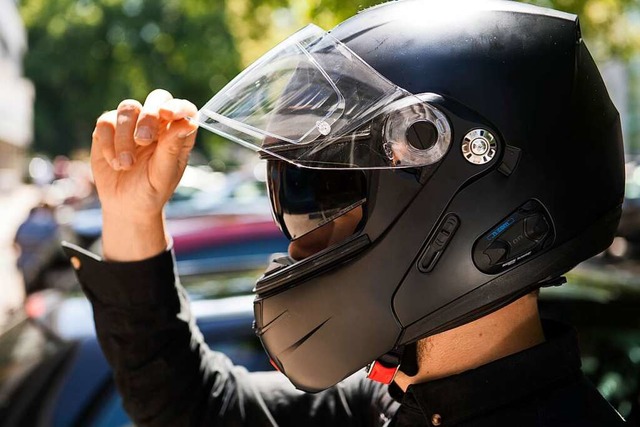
14, 207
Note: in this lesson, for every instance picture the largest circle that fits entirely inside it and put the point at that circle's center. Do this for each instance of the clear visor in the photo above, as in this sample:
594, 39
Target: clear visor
309, 101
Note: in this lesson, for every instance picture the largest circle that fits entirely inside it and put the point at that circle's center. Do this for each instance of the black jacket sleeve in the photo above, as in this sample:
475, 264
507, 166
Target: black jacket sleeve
167, 375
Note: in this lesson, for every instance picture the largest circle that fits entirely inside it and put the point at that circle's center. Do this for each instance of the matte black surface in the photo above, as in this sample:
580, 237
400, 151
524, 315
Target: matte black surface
524, 74
438, 243
518, 236
510, 160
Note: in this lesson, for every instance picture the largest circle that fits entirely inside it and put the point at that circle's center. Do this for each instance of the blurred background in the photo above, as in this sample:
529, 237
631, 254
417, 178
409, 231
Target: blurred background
64, 62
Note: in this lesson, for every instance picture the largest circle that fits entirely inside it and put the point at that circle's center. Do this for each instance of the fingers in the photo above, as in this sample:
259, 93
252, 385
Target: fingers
180, 132
148, 126
174, 143
102, 146
161, 119
180, 135
125, 147
177, 109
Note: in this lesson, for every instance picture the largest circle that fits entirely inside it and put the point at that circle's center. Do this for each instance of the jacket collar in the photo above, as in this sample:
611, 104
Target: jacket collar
467, 395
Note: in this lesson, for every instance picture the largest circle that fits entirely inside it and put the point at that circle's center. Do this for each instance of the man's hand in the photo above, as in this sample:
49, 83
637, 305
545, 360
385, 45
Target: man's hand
138, 156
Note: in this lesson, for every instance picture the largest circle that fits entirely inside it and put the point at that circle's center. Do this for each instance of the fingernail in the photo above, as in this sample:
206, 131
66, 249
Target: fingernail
143, 132
183, 135
115, 164
126, 160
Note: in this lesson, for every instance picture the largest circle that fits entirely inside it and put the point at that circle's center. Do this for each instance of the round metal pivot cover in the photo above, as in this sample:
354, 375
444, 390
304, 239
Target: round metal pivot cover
479, 146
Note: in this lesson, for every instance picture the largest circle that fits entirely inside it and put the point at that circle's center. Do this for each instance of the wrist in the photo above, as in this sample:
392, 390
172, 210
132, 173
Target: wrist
132, 239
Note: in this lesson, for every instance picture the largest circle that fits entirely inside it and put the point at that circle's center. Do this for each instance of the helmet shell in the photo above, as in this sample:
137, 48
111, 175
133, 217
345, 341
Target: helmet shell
525, 74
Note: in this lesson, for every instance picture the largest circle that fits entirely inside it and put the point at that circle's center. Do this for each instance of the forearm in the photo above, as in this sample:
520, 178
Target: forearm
125, 239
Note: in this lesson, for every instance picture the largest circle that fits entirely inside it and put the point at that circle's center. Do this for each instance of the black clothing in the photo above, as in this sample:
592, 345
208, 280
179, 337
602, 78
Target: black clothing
168, 376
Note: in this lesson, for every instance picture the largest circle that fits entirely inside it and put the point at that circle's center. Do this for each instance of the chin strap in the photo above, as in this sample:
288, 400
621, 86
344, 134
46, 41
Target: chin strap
385, 368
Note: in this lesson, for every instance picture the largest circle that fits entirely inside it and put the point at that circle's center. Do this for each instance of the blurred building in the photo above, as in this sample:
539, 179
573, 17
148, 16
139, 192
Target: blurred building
16, 96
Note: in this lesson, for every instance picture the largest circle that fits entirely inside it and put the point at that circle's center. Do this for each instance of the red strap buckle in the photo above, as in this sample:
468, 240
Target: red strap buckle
382, 372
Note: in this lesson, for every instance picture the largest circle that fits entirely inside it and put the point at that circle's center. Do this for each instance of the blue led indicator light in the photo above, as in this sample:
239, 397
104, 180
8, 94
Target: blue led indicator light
499, 229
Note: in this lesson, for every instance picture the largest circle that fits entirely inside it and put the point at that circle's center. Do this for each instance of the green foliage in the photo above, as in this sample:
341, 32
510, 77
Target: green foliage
611, 27
87, 55
259, 24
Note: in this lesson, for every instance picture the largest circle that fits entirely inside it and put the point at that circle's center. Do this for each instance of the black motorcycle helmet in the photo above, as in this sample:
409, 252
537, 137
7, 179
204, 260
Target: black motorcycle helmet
504, 169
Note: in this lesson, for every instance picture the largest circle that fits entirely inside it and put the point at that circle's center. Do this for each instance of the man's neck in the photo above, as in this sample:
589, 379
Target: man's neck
509, 330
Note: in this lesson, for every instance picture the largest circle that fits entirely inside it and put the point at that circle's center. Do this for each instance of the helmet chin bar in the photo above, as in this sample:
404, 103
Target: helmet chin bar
282, 272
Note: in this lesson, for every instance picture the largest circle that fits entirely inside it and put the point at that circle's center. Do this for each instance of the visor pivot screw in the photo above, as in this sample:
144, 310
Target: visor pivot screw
323, 127
479, 146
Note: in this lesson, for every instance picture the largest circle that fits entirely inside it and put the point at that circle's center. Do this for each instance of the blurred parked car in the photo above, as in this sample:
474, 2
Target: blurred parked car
627, 245
200, 193
602, 304
234, 233
53, 373
214, 242
202, 245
